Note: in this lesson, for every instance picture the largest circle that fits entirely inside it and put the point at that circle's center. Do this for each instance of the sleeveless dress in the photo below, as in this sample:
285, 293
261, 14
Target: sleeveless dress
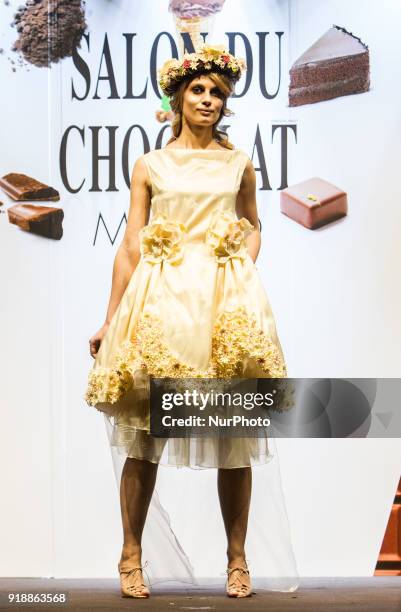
195, 307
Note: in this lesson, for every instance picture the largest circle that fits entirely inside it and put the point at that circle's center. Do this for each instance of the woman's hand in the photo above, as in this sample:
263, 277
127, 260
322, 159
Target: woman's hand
95, 341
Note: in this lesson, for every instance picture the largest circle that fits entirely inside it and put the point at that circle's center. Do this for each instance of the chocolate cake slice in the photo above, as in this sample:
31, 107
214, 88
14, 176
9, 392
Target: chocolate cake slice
21, 187
335, 65
41, 220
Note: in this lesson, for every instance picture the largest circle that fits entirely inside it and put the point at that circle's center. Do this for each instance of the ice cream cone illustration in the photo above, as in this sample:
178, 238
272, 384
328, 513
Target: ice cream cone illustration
194, 18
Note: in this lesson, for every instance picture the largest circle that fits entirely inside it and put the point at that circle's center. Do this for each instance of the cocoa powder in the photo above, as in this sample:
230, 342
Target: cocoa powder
49, 30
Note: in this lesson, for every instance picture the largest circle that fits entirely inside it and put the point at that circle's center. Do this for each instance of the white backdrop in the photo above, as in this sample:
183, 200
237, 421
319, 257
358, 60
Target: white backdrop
334, 291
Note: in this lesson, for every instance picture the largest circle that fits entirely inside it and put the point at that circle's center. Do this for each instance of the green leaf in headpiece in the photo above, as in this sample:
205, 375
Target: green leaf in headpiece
166, 103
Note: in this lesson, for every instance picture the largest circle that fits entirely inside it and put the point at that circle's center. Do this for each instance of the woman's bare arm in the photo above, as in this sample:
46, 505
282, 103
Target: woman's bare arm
246, 207
128, 253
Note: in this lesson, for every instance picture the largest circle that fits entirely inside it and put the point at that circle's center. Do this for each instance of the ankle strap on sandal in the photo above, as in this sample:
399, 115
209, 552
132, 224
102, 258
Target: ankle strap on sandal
230, 570
131, 568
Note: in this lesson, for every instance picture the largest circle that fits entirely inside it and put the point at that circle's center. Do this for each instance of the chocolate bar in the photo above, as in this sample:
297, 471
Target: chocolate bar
314, 203
21, 187
335, 65
41, 220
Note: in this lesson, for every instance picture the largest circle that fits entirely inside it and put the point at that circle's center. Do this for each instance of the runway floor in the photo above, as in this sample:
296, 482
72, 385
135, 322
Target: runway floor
376, 594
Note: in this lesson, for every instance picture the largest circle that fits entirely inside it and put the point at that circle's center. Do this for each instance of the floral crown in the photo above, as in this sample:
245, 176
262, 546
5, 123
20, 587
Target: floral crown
206, 59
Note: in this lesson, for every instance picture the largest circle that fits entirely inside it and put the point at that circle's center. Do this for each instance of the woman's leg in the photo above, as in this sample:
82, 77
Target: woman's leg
137, 484
234, 487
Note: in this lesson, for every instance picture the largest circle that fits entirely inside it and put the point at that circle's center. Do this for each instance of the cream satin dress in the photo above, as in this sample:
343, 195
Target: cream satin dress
194, 307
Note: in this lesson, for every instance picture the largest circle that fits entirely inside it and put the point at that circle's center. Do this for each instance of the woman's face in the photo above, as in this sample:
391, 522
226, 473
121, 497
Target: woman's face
202, 102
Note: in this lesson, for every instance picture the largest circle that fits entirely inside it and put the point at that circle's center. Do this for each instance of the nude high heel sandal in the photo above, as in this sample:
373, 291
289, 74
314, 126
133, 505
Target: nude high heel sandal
236, 586
128, 587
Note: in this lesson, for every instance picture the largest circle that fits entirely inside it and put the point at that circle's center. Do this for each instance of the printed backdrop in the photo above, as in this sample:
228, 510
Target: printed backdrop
79, 125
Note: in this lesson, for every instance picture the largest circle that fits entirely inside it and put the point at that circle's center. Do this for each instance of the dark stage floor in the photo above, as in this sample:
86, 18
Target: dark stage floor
376, 594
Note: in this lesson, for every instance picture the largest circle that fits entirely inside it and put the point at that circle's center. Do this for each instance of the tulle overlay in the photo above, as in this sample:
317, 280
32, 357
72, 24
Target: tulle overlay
194, 307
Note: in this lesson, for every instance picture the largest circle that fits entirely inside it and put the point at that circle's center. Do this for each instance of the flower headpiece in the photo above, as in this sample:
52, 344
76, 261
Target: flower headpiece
206, 59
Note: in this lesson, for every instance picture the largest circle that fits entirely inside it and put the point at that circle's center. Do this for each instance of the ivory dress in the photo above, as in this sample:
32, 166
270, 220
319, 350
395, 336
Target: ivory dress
194, 307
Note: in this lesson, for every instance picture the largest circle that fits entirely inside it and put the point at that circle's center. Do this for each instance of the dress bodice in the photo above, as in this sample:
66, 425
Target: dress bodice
189, 186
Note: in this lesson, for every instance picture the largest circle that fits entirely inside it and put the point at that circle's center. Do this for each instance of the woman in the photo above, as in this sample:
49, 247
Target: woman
186, 302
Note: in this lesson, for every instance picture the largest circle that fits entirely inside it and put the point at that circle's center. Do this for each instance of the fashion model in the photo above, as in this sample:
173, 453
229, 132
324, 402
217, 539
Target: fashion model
186, 301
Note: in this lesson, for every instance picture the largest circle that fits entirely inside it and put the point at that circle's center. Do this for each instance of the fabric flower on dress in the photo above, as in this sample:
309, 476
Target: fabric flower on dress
226, 235
162, 240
